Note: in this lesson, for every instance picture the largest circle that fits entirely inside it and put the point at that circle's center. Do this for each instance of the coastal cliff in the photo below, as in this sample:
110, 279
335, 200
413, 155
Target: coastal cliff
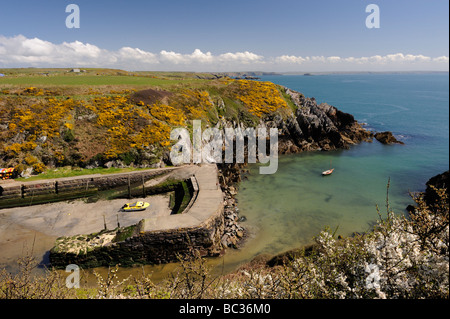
306, 126
318, 127
46, 128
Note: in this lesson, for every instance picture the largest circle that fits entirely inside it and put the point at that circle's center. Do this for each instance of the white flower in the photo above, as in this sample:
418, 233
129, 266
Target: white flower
373, 279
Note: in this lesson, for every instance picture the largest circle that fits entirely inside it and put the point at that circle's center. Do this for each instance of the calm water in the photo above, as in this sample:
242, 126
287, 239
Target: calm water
286, 209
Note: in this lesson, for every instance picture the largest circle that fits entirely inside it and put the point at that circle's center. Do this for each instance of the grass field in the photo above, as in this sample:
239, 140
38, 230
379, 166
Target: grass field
70, 172
95, 77
93, 80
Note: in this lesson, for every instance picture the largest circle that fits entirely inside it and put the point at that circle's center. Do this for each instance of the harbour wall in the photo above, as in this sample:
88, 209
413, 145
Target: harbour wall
163, 239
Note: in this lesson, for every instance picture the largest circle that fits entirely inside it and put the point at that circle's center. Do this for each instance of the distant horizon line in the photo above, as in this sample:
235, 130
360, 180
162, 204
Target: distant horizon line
249, 72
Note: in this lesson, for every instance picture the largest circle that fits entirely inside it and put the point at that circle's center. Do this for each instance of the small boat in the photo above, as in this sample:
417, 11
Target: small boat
133, 207
328, 172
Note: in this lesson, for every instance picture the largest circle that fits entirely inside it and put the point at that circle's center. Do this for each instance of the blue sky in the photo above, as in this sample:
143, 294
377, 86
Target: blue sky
263, 31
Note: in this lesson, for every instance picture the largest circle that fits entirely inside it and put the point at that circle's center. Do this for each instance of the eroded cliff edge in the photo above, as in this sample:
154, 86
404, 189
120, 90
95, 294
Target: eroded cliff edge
318, 127
310, 126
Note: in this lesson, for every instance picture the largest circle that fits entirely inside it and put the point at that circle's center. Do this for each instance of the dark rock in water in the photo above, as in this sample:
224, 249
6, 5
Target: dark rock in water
387, 138
242, 219
290, 255
310, 127
410, 209
430, 196
438, 181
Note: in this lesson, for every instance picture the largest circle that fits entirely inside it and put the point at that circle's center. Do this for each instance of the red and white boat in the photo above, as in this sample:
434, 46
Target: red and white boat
328, 172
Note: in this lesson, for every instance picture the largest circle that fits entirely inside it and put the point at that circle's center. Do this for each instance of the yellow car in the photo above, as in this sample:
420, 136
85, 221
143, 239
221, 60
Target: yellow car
132, 207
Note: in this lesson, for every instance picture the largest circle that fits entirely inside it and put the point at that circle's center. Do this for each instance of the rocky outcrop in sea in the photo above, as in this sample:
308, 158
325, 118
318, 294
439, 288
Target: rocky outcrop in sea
387, 138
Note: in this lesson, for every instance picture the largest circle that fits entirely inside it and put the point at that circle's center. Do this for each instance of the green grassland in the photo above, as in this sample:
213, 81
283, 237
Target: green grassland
69, 171
94, 77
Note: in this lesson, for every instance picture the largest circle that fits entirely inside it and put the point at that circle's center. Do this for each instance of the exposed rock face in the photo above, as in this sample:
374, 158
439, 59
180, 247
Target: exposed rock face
438, 181
234, 233
311, 127
317, 127
387, 138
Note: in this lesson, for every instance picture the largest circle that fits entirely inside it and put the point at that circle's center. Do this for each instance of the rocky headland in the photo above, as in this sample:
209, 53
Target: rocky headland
318, 127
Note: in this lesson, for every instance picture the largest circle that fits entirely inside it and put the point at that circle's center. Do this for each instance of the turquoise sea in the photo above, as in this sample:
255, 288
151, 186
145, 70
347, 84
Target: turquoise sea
287, 209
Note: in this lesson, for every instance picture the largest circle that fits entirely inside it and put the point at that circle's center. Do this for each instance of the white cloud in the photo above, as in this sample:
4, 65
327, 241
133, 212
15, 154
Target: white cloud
242, 57
135, 54
35, 47
333, 59
80, 49
199, 56
290, 59
441, 59
19, 51
396, 61
375, 59
172, 57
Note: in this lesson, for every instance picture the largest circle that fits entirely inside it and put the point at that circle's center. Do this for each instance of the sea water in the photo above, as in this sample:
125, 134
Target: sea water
287, 209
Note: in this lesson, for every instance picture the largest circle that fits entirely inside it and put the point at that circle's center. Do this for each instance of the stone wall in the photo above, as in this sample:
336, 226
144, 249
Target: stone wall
166, 238
156, 247
58, 186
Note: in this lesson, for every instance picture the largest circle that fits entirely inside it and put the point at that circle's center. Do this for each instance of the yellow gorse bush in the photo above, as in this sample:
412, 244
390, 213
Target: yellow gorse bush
41, 118
133, 126
166, 113
193, 103
260, 98
33, 91
123, 124
39, 122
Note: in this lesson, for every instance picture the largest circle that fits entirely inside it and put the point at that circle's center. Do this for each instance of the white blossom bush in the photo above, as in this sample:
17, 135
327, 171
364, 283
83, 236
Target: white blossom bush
402, 257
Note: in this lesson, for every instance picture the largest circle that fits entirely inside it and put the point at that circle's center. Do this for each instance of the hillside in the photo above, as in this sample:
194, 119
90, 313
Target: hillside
102, 118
